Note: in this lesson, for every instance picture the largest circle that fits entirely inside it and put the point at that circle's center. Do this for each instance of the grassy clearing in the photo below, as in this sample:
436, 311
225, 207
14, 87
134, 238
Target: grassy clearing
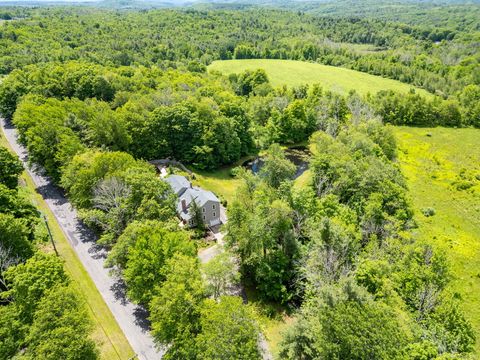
442, 167
294, 73
273, 320
304, 180
111, 341
220, 182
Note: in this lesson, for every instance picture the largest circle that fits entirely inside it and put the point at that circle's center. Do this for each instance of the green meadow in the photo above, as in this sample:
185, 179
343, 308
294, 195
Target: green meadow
442, 167
295, 73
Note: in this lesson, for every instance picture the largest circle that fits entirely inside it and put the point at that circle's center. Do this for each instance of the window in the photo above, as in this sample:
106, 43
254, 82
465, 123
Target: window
203, 217
203, 209
214, 214
213, 207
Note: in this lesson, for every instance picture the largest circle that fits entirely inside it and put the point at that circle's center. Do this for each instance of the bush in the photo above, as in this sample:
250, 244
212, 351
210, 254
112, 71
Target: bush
427, 212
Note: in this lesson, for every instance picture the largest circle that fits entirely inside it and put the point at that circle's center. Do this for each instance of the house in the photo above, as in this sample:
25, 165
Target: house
207, 203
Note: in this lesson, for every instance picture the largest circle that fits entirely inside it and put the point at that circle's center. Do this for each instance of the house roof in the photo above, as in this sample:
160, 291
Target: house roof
200, 196
178, 183
204, 196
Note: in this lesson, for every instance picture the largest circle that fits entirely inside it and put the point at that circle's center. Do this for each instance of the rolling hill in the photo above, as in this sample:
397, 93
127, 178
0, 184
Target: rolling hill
294, 73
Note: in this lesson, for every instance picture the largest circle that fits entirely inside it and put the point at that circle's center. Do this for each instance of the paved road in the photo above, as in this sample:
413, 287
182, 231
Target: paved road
131, 318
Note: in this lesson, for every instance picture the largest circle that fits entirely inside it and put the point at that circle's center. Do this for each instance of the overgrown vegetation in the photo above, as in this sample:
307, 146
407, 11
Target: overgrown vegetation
344, 252
96, 94
41, 314
413, 52
435, 162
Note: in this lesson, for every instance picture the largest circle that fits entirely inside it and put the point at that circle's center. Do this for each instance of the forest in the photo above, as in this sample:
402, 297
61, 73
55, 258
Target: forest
95, 94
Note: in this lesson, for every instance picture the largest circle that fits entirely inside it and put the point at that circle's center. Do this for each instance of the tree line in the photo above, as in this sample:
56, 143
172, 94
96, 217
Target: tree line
434, 53
85, 145
341, 252
116, 89
205, 120
42, 316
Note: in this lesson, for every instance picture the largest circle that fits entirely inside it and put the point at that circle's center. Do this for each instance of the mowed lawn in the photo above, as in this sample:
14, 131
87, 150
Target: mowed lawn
111, 341
442, 167
294, 73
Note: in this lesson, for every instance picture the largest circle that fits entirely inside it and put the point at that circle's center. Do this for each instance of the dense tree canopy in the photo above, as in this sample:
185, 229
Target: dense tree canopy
10, 170
41, 316
430, 51
228, 331
95, 94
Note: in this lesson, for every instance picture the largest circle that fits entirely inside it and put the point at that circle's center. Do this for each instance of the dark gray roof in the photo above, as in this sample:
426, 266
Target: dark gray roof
178, 183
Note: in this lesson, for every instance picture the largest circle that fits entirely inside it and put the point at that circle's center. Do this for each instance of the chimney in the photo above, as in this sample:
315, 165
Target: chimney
184, 205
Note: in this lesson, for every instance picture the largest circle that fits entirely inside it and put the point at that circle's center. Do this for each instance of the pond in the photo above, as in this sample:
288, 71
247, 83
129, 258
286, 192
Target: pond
299, 155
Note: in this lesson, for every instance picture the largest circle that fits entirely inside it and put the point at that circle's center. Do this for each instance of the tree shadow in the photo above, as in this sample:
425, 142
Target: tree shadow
119, 289
141, 318
50, 192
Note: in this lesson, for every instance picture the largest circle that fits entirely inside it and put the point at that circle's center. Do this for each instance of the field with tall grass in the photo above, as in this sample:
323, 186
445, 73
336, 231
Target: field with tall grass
442, 167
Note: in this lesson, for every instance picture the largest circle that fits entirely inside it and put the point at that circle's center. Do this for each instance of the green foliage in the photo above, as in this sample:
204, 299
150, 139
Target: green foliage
229, 330
276, 168
14, 204
248, 81
10, 168
262, 235
422, 278
294, 73
448, 327
413, 109
17, 217
41, 317
146, 259
15, 236
328, 256
431, 160
86, 170
194, 132
119, 253
175, 308
198, 328
133, 194
30, 281
199, 120
12, 89
354, 168
367, 37
273, 277
469, 98
92, 92
427, 212
220, 273
60, 328
347, 325
12, 331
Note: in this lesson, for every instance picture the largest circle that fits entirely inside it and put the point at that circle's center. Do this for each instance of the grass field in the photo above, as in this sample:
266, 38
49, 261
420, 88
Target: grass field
294, 73
107, 334
219, 181
442, 167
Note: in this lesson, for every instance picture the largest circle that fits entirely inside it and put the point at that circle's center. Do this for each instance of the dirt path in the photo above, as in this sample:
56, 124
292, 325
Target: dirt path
236, 289
132, 319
